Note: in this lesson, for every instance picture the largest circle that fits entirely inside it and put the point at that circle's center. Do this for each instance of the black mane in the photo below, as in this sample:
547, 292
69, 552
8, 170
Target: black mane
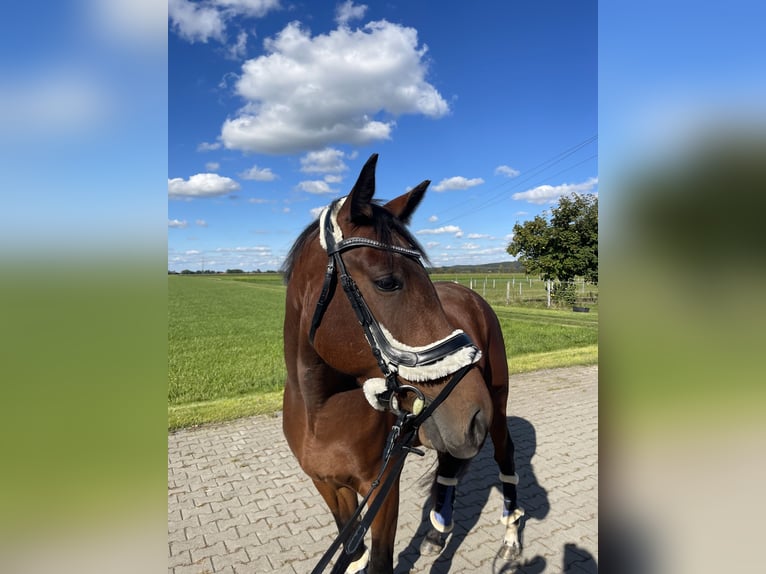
387, 227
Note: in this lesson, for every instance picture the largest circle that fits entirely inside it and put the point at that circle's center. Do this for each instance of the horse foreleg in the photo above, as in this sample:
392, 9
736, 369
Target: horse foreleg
511, 517
383, 533
342, 502
443, 496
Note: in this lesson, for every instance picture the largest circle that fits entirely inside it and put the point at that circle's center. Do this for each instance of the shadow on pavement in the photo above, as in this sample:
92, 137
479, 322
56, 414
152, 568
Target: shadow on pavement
473, 493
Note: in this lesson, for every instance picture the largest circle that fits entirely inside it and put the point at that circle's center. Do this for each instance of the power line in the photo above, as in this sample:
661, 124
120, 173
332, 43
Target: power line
534, 172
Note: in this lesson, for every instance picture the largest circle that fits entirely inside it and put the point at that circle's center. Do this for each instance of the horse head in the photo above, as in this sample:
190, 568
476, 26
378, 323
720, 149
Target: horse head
378, 261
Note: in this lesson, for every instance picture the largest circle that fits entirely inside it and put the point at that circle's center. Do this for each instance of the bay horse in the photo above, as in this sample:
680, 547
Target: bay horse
338, 411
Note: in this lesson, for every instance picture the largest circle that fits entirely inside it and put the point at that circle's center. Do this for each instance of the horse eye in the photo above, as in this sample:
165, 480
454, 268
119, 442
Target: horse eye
388, 283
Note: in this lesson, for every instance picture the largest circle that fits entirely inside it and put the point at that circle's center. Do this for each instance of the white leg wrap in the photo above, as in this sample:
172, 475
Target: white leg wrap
359, 565
446, 481
511, 519
438, 526
446, 489
509, 478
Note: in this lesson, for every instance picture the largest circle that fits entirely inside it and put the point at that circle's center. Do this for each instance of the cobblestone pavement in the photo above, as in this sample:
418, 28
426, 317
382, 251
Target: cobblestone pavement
239, 503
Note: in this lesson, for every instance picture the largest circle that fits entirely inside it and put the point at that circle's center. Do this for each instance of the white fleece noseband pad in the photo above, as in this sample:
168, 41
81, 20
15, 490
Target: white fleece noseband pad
433, 371
445, 366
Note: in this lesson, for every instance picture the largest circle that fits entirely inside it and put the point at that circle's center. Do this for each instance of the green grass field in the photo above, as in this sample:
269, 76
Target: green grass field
225, 343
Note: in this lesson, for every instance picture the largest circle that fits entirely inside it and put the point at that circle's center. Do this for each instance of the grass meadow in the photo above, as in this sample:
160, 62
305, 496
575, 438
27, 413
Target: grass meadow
225, 341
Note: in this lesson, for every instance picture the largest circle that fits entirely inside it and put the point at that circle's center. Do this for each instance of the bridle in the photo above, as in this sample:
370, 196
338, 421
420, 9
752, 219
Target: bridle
454, 355
429, 362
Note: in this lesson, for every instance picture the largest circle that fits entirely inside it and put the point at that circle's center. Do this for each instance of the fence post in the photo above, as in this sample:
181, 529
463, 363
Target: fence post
548, 289
508, 293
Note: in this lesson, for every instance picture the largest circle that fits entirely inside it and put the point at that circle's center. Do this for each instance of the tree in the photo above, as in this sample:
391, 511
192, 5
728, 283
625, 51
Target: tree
564, 247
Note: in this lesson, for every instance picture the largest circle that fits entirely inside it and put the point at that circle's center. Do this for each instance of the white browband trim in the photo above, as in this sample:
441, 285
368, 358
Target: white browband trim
446, 481
336, 231
373, 388
441, 368
509, 478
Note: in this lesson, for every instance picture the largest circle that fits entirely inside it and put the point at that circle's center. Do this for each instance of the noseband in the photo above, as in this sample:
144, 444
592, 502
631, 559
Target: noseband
429, 362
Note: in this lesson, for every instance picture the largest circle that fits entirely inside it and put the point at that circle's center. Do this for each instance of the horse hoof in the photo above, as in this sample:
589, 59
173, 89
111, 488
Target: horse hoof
509, 552
432, 544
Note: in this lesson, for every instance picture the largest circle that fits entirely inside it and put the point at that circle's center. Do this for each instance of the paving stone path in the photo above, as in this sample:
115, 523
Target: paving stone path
239, 503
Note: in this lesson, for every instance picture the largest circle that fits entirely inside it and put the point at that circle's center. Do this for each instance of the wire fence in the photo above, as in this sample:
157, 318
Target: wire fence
520, 289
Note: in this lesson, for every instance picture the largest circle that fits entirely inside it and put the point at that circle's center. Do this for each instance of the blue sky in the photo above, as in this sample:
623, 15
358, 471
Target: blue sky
274, 106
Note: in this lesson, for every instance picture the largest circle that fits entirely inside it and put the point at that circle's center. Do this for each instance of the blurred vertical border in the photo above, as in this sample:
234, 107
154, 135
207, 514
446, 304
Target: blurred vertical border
83, 211
682, 162
83, 137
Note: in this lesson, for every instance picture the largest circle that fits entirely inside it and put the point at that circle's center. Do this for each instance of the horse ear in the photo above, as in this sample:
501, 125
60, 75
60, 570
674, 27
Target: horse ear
360, 198
405, 205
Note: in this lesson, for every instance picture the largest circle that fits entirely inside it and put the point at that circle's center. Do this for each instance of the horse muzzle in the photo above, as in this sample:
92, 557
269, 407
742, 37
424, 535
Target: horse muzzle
462, 438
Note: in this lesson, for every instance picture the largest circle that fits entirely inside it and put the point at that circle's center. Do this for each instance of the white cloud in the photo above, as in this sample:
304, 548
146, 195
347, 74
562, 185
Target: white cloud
212, 166
252, 8
238, 50
195, 22
471, 246
201, 223
205, 146
439, 230
348, 11
201, 185
479, 236
316, 186
192, 252
333, 178
328, 160
506, 171
258, 174
260, 249
315, 212
549, 193
490, 251
342, 87
177, 224
433, 218
457, 182
201, 21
